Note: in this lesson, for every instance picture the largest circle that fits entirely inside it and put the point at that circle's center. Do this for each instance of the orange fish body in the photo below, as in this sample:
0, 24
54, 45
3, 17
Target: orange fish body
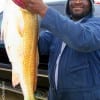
20, 30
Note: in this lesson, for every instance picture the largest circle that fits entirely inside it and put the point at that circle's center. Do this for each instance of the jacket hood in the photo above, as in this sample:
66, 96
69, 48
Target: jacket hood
68, 12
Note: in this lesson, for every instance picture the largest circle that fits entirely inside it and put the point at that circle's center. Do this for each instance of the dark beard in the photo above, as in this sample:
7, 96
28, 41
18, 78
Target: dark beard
79, 16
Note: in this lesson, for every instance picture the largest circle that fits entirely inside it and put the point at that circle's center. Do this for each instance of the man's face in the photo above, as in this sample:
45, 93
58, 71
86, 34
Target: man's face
79, 8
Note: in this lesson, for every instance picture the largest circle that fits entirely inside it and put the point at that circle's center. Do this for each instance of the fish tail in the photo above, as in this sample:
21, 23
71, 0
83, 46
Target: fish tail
15, 79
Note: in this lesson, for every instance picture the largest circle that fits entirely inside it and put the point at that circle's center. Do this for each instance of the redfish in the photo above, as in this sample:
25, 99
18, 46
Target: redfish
20, 33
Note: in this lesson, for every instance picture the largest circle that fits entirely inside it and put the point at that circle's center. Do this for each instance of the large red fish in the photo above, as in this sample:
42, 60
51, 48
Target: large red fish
20, 29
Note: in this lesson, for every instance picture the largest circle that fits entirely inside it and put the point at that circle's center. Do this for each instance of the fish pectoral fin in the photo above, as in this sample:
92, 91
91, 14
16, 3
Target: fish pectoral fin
15, 79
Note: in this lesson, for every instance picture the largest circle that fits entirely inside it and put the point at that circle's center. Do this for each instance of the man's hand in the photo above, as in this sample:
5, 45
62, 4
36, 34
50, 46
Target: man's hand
36, 6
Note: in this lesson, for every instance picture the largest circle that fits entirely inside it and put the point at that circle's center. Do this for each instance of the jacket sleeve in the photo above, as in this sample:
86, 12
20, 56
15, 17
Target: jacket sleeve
45, 40
84, 37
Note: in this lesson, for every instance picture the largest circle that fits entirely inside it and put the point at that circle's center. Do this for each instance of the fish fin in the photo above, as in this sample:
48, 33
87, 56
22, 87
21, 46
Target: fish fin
19, 28
15, 79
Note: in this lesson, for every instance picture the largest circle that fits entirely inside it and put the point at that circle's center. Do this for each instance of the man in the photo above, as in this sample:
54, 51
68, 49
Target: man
73, 45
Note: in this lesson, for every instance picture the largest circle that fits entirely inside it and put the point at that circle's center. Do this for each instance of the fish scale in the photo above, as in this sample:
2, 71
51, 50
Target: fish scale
30, 50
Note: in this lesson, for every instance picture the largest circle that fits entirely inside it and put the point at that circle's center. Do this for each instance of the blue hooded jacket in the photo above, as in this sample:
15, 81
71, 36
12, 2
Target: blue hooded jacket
79, 66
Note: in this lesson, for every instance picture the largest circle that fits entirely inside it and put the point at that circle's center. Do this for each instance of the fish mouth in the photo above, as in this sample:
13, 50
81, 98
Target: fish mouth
19, 3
